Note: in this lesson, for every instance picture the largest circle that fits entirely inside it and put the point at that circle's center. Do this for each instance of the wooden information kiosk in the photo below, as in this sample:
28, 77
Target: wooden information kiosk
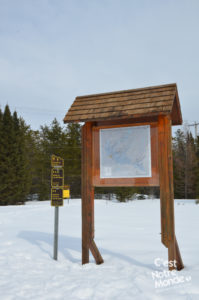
143, 117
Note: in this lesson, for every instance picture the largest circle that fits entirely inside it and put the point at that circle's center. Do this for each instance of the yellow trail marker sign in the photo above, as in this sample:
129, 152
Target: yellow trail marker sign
66, 192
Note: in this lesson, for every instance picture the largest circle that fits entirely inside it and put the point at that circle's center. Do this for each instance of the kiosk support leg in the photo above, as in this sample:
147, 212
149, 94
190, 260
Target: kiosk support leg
166, 191
88, 198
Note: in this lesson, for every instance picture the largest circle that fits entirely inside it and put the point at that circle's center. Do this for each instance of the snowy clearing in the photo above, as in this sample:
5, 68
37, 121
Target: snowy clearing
128, 236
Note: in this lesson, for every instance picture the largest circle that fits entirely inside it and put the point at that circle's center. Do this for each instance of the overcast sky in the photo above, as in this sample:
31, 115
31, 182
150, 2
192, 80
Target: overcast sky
54, 50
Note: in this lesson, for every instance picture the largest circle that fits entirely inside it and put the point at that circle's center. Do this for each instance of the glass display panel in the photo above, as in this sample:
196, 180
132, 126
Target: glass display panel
125, 152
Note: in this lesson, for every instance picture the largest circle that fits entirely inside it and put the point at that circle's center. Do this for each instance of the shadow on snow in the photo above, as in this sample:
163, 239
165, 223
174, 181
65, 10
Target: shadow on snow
67, 243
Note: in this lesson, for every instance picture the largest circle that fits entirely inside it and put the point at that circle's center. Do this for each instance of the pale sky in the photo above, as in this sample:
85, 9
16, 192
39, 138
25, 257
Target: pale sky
54, 50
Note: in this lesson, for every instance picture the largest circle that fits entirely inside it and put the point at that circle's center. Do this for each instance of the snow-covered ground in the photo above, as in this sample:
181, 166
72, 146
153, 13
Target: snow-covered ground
128, 236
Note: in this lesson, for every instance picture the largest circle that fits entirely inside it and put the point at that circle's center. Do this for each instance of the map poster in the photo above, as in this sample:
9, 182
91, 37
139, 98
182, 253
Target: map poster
125, 152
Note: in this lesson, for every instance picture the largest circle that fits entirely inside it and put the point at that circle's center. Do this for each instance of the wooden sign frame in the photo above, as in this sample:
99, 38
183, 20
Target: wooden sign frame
162, 166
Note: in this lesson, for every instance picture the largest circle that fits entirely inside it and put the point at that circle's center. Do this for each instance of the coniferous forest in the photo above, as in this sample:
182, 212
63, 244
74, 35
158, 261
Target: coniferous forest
25, 162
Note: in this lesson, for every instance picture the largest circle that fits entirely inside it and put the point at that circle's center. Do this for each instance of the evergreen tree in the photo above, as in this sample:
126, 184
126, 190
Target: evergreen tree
7, 170
1, 151
13, 172
73, 159
22, 167
52, 140
197, 167
179, 158
185, 165
1, 132
191, 167
34, 162
125, 193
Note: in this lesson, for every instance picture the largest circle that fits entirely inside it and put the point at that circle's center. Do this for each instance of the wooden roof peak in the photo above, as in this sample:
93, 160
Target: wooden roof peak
129, 90
134, 103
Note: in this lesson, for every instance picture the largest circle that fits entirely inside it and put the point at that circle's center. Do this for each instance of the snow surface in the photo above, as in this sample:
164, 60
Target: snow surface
128, 236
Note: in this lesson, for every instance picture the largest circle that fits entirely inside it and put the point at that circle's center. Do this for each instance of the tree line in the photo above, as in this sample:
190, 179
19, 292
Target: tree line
25, 162
25, 158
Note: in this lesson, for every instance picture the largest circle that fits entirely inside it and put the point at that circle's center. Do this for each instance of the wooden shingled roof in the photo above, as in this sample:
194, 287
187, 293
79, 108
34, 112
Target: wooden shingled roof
143, 102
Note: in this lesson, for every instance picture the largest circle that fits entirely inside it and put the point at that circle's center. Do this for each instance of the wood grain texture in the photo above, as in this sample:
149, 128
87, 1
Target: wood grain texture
95, 252
87, 192
120, 107
172, 254
130, 99
166, 189
180, 264
149, 119
145, 90
118, 114
126, 104
88, 197
163, 176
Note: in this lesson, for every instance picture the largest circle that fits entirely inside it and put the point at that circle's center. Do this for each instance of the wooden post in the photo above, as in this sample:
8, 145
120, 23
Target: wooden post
166, 190
96, 254
180, 264
88, 198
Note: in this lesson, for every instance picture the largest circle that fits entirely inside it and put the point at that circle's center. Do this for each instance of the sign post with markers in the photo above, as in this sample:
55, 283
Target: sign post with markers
57, 185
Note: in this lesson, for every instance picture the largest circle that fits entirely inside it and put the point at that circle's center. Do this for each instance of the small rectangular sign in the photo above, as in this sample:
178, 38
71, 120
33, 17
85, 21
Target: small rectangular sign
57, 161
57, 177
57, 197
66, 192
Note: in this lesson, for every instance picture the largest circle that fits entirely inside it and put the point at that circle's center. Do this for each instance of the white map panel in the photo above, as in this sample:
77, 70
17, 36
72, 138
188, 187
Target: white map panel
125, 152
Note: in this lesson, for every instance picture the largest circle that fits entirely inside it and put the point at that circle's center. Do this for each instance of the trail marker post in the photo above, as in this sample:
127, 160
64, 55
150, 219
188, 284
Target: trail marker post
57, 183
